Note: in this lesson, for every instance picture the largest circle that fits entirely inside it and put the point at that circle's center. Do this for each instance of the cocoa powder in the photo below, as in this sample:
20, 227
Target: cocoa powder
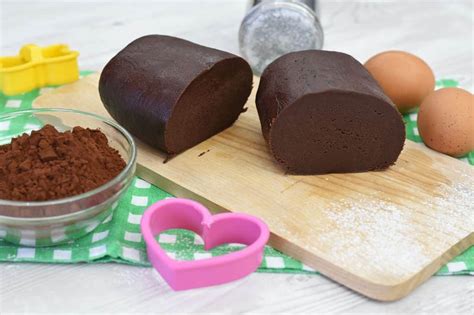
49, 164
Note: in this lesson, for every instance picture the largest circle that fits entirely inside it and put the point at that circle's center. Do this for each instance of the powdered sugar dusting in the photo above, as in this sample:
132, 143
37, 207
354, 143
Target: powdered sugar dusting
374, 236
455, 204
391, 240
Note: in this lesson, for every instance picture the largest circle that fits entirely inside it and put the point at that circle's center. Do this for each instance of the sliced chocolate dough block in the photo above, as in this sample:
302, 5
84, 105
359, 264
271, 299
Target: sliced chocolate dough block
171, 93
322, 112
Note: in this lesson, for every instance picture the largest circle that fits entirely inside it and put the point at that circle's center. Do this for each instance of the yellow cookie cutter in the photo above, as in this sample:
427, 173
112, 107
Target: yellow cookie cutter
36, 67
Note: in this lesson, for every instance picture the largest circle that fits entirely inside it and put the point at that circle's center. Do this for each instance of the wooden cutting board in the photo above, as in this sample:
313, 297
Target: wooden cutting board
379, 233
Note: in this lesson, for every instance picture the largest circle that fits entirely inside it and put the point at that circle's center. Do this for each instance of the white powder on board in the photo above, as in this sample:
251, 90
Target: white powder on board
372, 234
456, 203
390, 239
394, 239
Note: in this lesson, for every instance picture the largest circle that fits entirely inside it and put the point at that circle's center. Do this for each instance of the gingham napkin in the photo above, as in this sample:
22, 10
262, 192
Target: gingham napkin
118, 239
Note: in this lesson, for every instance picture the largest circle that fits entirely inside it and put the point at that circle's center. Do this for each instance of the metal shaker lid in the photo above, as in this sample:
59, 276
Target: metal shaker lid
274, 28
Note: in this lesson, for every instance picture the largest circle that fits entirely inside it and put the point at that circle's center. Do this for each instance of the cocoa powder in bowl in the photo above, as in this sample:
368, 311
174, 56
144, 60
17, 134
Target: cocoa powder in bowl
49, 164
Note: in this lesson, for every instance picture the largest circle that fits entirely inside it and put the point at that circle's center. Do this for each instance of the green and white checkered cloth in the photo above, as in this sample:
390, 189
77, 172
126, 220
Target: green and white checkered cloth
118, 238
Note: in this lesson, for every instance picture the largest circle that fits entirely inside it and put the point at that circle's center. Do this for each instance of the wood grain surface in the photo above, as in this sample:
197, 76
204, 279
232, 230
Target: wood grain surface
379, 233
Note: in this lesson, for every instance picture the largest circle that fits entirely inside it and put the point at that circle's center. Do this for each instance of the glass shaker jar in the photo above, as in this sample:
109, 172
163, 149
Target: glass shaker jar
273, 28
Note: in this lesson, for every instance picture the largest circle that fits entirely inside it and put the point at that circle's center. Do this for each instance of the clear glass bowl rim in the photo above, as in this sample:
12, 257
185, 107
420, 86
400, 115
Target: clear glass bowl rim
117, 179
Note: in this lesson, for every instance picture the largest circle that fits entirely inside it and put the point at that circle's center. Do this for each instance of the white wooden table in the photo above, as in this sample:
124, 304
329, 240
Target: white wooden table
439, 33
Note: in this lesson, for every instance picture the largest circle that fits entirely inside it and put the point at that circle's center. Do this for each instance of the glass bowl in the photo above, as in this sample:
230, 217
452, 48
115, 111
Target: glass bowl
45, 223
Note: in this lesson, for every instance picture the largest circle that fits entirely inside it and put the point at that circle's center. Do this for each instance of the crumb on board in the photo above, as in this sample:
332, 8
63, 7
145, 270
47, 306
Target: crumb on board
203, 152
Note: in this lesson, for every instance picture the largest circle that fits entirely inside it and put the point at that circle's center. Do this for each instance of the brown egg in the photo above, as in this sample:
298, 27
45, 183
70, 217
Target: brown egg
405, 78
446, 121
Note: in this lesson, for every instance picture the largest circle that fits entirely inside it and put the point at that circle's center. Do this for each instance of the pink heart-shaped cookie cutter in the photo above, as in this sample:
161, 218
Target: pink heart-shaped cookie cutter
178, 213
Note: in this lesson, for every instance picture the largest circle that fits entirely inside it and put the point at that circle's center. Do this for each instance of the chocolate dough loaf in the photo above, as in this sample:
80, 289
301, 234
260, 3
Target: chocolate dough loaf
322, 112
173, 94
